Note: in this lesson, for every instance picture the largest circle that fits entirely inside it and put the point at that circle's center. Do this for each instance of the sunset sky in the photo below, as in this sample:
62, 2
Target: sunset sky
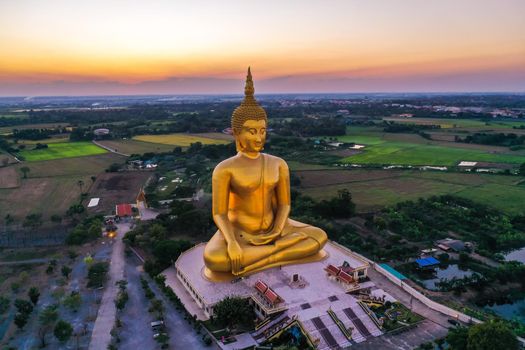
68, 47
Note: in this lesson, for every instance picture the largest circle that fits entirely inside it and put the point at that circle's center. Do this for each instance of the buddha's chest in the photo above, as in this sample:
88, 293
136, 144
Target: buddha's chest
250, 179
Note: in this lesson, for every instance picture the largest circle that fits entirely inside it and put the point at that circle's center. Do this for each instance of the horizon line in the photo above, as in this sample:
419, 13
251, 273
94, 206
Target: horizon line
493, 92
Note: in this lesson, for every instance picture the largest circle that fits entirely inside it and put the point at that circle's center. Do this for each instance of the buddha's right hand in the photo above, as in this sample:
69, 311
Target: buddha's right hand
235, 254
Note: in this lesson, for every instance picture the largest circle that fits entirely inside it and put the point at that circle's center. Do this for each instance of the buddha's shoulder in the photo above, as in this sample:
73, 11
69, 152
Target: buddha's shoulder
225, 165
275, 160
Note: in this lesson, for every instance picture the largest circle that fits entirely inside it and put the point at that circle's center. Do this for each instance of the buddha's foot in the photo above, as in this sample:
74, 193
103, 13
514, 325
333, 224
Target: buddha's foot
254, 268
289, 240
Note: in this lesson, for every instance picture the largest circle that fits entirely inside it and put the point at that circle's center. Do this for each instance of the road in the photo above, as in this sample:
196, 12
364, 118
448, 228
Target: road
136, 332
101, 337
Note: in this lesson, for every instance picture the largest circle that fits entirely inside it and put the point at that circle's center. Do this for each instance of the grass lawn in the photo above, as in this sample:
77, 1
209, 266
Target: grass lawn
183, 140
379, 150
62, 150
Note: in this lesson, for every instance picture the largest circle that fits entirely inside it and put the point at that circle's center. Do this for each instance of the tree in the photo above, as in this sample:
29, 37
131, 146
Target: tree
66, 270
56, 218
33, 221
168, 251
73, 301
8, 219
157, 232
63, 330
157, 306
234, 311
34, 295
457, 338
522, 169
23, 306
97, 274
21, 319
491, 335
80, 184
47, 319
94, 231
24, 171
4, 305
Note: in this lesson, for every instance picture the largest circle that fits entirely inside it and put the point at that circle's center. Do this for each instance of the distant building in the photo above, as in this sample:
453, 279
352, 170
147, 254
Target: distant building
467, 164
335, 144
101, 132
452, 244
427, 263
123, 210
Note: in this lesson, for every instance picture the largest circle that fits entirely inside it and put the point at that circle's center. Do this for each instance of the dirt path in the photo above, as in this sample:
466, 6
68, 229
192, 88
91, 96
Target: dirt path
109, 149
101, 336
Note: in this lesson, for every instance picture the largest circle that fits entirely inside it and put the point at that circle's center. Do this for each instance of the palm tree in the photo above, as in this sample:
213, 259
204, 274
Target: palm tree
25, 170
80, 184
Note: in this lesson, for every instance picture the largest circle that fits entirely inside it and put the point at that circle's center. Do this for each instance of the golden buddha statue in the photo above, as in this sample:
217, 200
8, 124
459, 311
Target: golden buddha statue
251, 204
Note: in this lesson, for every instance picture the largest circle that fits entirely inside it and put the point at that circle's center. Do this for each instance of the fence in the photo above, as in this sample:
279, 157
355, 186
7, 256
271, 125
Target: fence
23, 238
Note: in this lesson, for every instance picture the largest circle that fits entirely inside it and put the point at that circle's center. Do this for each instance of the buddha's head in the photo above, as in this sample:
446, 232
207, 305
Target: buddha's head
249, 121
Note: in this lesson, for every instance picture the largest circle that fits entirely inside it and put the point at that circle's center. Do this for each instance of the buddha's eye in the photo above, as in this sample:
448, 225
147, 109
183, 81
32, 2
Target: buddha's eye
253, 131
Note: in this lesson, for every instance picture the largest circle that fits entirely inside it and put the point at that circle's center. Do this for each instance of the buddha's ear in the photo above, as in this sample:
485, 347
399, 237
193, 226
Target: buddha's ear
239, 146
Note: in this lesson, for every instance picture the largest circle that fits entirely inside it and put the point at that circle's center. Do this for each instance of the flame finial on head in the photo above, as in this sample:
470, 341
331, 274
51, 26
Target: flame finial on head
249, 90
249, 108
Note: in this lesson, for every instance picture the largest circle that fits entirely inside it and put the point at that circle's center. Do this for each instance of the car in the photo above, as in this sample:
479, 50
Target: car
454, 322
157, 326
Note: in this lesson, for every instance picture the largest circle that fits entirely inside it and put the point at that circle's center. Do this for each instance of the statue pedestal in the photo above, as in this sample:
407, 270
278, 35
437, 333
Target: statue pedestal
190, 280
308, 293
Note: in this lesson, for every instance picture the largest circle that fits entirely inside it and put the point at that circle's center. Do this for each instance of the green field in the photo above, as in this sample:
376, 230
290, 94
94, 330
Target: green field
135, 146
457, 123
378, 150
373, 189
51, 186
6, 130
183, 140
62, 150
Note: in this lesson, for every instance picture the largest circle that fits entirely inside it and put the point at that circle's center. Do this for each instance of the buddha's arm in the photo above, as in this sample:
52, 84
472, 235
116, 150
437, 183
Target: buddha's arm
221, 194
282, 192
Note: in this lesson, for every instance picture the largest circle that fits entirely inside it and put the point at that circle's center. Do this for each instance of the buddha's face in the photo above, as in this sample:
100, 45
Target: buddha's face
252, 136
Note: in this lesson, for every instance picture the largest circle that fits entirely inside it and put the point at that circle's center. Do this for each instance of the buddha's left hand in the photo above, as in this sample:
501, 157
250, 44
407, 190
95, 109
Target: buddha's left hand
235, 254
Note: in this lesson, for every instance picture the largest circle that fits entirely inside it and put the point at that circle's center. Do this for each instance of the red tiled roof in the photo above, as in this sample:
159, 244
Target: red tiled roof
123, 210
261, 286
332, 270
271, 296
343, 276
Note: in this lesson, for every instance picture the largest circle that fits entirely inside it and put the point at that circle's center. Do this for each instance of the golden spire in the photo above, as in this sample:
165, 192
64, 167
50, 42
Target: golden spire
249, 108
249, 89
